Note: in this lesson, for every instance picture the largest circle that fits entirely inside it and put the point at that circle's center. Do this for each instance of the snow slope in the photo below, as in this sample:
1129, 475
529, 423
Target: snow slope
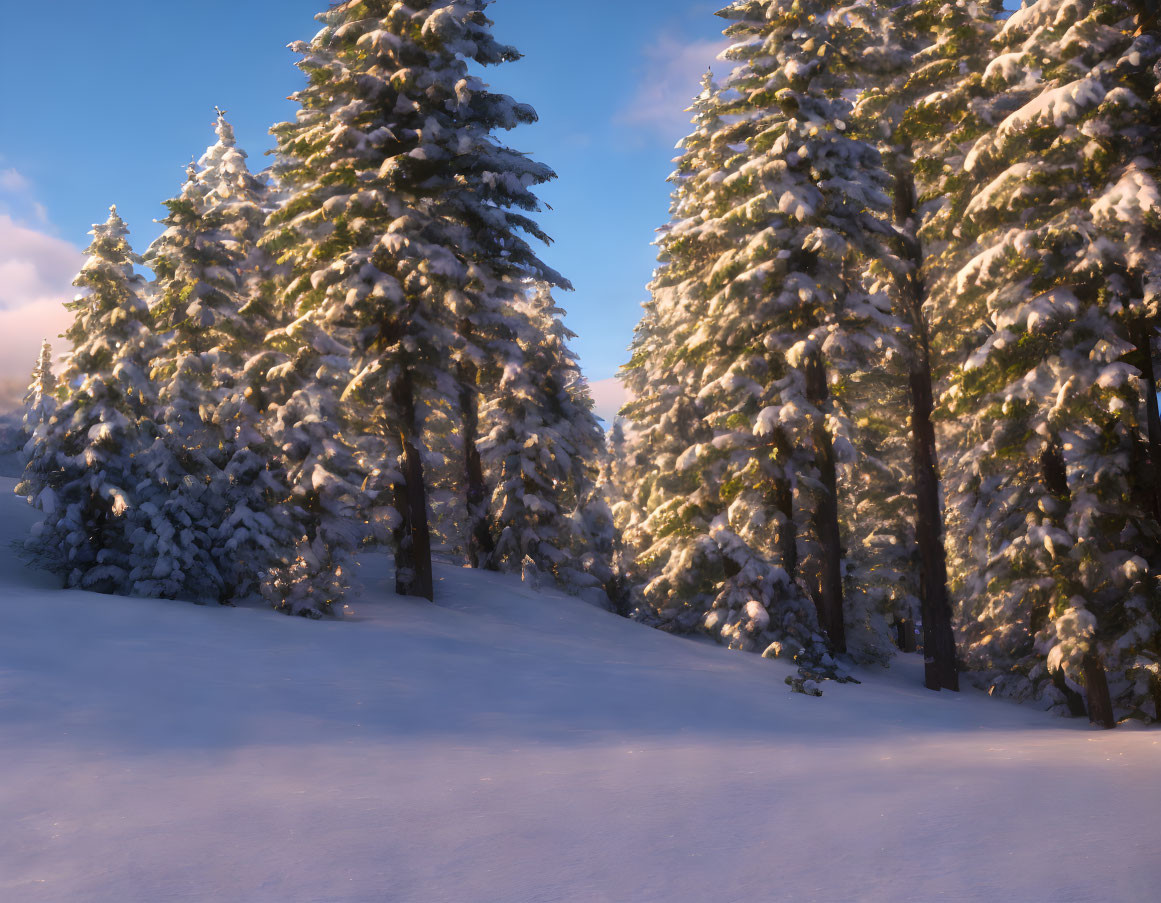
514, 746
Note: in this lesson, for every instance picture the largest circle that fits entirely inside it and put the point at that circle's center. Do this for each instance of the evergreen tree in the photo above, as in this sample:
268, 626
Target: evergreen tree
1066, 544
403, 227
40, 400
544, 446
206, 526
776, 211
81, 472
917, 102
330, 508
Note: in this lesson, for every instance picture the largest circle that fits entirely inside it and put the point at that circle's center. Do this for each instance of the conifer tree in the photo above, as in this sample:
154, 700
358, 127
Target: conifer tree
332, 501
81, 474
40, 400
544, 447
917, 102
403, 223
1066, 544
781, 209
208, 517
680, 566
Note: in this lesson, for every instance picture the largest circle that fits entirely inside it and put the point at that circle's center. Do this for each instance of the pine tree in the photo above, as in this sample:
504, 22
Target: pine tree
40, 400
1067, 550
678, 564
544, 447
206, 526
402, 223
917, 103
883, 575
330, 510
82, 474
776, 211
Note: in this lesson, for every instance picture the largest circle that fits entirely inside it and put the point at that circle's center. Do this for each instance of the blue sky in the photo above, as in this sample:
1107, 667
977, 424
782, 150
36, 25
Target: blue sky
105, 103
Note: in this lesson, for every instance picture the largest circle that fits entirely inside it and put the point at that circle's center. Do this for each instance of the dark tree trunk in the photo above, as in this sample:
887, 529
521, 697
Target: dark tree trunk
1096, 691
787, 532
1054, 471
940, 671
905, 635
481, 545
413, 560
1142, 338
1072, 699
826, 512
404, 545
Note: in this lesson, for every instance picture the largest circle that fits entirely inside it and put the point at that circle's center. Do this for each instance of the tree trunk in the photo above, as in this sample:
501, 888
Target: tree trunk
1054, 473
481, 545
940, 671
1072, 699
1142, 338
414, 535
1096, 691
787, 531
905, 635
404, 545
826, 511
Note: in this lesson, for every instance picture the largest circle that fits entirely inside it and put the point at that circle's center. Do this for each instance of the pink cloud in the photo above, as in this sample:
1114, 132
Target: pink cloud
36, 274
609, 395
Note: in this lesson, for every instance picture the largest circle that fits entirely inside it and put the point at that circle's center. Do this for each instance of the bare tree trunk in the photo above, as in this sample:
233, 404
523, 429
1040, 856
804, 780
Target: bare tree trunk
826, 512
1096, 691
414, 535
940, 671
481, 545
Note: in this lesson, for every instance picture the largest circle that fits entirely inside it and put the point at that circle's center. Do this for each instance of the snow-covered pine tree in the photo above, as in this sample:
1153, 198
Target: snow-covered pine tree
206, 527
330, 511
82, 473
622, 467
680, 567
403, 224
882, 577
765, 252
1060, 205
40, 401
543, 448
918, 103
251, 537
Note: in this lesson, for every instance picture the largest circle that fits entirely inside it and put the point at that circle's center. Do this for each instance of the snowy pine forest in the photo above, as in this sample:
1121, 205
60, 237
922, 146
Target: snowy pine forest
893, 389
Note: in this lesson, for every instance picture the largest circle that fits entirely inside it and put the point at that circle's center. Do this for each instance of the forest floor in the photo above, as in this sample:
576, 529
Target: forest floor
510, 745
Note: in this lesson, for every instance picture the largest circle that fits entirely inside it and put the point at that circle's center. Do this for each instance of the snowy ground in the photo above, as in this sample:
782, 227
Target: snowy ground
513, 746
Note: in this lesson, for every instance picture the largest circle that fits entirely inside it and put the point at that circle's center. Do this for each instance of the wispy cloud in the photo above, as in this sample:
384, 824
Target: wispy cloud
36, 273
670, 74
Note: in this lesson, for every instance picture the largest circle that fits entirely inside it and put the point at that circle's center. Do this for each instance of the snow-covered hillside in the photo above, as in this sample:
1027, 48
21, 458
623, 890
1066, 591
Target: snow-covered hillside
511, 745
